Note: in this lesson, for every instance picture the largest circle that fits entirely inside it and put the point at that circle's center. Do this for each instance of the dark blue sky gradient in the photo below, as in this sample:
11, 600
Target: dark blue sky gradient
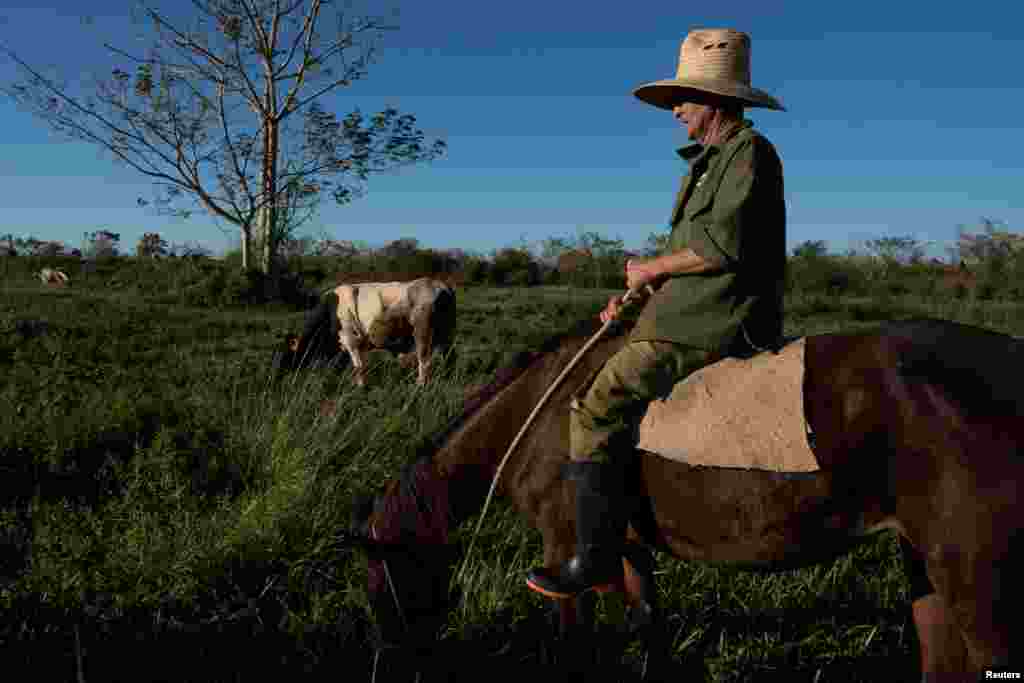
903, 120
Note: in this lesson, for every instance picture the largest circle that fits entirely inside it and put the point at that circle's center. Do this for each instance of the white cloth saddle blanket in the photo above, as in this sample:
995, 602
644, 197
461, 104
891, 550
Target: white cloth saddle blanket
746, 413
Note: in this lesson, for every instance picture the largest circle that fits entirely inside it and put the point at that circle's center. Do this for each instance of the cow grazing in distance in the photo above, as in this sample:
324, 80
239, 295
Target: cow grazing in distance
570, 261
414, 320
52, 276
955, 277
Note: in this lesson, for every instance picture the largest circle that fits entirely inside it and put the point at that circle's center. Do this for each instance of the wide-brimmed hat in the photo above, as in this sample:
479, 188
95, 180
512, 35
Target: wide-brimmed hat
712, 60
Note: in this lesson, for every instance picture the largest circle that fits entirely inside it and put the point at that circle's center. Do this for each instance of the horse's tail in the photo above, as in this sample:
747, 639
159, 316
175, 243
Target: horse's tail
443, 322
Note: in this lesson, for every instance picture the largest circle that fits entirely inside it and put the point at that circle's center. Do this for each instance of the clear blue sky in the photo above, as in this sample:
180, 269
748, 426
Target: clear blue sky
903, 119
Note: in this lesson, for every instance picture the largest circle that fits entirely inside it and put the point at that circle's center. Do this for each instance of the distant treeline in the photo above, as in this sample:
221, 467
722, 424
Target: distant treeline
984, 266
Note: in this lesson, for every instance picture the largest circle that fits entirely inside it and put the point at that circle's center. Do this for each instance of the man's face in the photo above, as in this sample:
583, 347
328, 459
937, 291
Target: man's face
696, 117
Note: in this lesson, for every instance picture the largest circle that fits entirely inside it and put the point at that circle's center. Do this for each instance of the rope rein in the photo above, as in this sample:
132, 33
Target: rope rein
391, 585
529, 420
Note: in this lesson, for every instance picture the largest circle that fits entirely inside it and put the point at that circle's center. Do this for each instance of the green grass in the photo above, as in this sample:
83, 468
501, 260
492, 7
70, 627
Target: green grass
152, 480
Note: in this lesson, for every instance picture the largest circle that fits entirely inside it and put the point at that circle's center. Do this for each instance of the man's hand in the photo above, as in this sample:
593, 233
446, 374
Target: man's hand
617, 303
612, 310
642, 272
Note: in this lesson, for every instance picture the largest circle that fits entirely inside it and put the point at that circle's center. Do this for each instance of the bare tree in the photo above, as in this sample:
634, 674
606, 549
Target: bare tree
226, 114
32, 246
102, 244
151, 246
993, 243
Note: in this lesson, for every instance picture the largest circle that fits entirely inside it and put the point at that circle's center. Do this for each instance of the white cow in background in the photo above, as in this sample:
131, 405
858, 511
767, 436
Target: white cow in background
52, 276
414, 320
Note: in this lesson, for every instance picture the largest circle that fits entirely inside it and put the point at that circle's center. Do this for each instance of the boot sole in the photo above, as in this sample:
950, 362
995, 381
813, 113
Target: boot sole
600, 588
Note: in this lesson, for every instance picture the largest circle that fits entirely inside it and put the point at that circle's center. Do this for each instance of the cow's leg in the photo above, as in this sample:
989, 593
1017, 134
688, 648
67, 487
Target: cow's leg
359, 367
422, 370
423, 338
351, 344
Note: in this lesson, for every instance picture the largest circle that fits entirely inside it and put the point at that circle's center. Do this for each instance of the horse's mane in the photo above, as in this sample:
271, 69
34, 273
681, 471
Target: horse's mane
416, 484
581, 329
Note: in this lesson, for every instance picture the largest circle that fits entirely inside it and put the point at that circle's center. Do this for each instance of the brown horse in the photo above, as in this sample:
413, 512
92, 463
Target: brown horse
917, 427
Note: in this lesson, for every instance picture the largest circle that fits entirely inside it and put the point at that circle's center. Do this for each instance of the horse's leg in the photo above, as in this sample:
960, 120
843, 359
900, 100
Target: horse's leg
638, 589
969, 588
575, 615
943, 652
644, 614
942, 648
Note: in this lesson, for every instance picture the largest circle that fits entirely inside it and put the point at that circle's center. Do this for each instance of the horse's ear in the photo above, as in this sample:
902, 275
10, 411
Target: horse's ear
292, 342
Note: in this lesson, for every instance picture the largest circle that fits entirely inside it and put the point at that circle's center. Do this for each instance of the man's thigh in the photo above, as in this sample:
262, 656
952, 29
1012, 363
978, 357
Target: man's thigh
639, 373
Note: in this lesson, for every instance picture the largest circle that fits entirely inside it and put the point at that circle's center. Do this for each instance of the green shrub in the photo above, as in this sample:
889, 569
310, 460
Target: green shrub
476, 271
831, 275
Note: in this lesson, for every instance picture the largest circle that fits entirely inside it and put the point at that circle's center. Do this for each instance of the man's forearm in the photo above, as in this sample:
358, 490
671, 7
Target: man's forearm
657, 271
684, 262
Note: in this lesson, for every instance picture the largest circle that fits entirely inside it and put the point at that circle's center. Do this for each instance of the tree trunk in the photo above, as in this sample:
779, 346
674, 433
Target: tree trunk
246, 246
268, 212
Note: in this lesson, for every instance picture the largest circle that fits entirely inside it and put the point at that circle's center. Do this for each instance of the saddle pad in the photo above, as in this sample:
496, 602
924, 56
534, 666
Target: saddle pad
745, 413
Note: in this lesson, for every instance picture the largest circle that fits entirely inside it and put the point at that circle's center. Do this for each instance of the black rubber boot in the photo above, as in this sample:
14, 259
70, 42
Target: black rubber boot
601, 520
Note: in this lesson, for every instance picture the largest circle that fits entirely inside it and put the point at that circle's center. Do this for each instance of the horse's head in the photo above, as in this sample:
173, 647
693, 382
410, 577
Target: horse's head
404, 531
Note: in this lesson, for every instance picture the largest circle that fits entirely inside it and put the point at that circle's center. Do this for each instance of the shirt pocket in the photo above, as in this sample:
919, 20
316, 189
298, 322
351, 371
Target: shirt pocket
702, 198
712, 241
679, 238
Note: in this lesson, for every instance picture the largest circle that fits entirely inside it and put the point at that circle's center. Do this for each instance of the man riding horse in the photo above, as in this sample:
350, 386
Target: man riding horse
719, 292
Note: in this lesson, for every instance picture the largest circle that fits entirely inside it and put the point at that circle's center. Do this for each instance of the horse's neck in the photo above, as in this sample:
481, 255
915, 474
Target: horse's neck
472, 454
470, 457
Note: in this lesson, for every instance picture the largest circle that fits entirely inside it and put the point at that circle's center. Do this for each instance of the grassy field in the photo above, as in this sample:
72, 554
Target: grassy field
159, 499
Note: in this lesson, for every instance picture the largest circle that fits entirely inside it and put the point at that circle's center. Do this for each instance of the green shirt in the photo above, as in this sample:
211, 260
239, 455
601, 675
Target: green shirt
730, 209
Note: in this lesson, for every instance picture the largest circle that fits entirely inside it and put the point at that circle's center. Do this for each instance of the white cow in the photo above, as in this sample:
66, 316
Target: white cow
400, 317
52, 276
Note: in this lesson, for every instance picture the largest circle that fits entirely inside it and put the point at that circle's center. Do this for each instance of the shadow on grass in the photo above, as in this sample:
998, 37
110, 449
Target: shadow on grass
135, 648
244, 649
528, 648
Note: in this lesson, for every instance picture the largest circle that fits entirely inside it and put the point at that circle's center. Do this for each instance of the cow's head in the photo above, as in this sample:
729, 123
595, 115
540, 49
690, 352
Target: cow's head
318, 343
297, 352
404, 531
288, 356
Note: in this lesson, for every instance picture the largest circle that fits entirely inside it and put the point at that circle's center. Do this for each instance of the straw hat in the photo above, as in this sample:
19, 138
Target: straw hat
716, 61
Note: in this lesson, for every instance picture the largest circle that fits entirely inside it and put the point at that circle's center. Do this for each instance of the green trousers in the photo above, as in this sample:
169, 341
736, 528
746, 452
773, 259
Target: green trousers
606, 413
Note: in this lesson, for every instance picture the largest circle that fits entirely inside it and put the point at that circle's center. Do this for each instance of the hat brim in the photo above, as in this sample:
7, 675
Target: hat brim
671, 93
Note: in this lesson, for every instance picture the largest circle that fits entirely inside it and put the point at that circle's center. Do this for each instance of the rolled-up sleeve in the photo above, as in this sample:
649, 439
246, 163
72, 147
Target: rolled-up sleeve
719, 234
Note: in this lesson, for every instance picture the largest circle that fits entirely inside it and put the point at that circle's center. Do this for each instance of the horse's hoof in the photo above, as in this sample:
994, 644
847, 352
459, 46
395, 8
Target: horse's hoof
640, 616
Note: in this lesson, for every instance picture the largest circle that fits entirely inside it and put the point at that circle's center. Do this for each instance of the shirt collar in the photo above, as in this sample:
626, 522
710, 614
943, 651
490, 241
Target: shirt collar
692, 152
